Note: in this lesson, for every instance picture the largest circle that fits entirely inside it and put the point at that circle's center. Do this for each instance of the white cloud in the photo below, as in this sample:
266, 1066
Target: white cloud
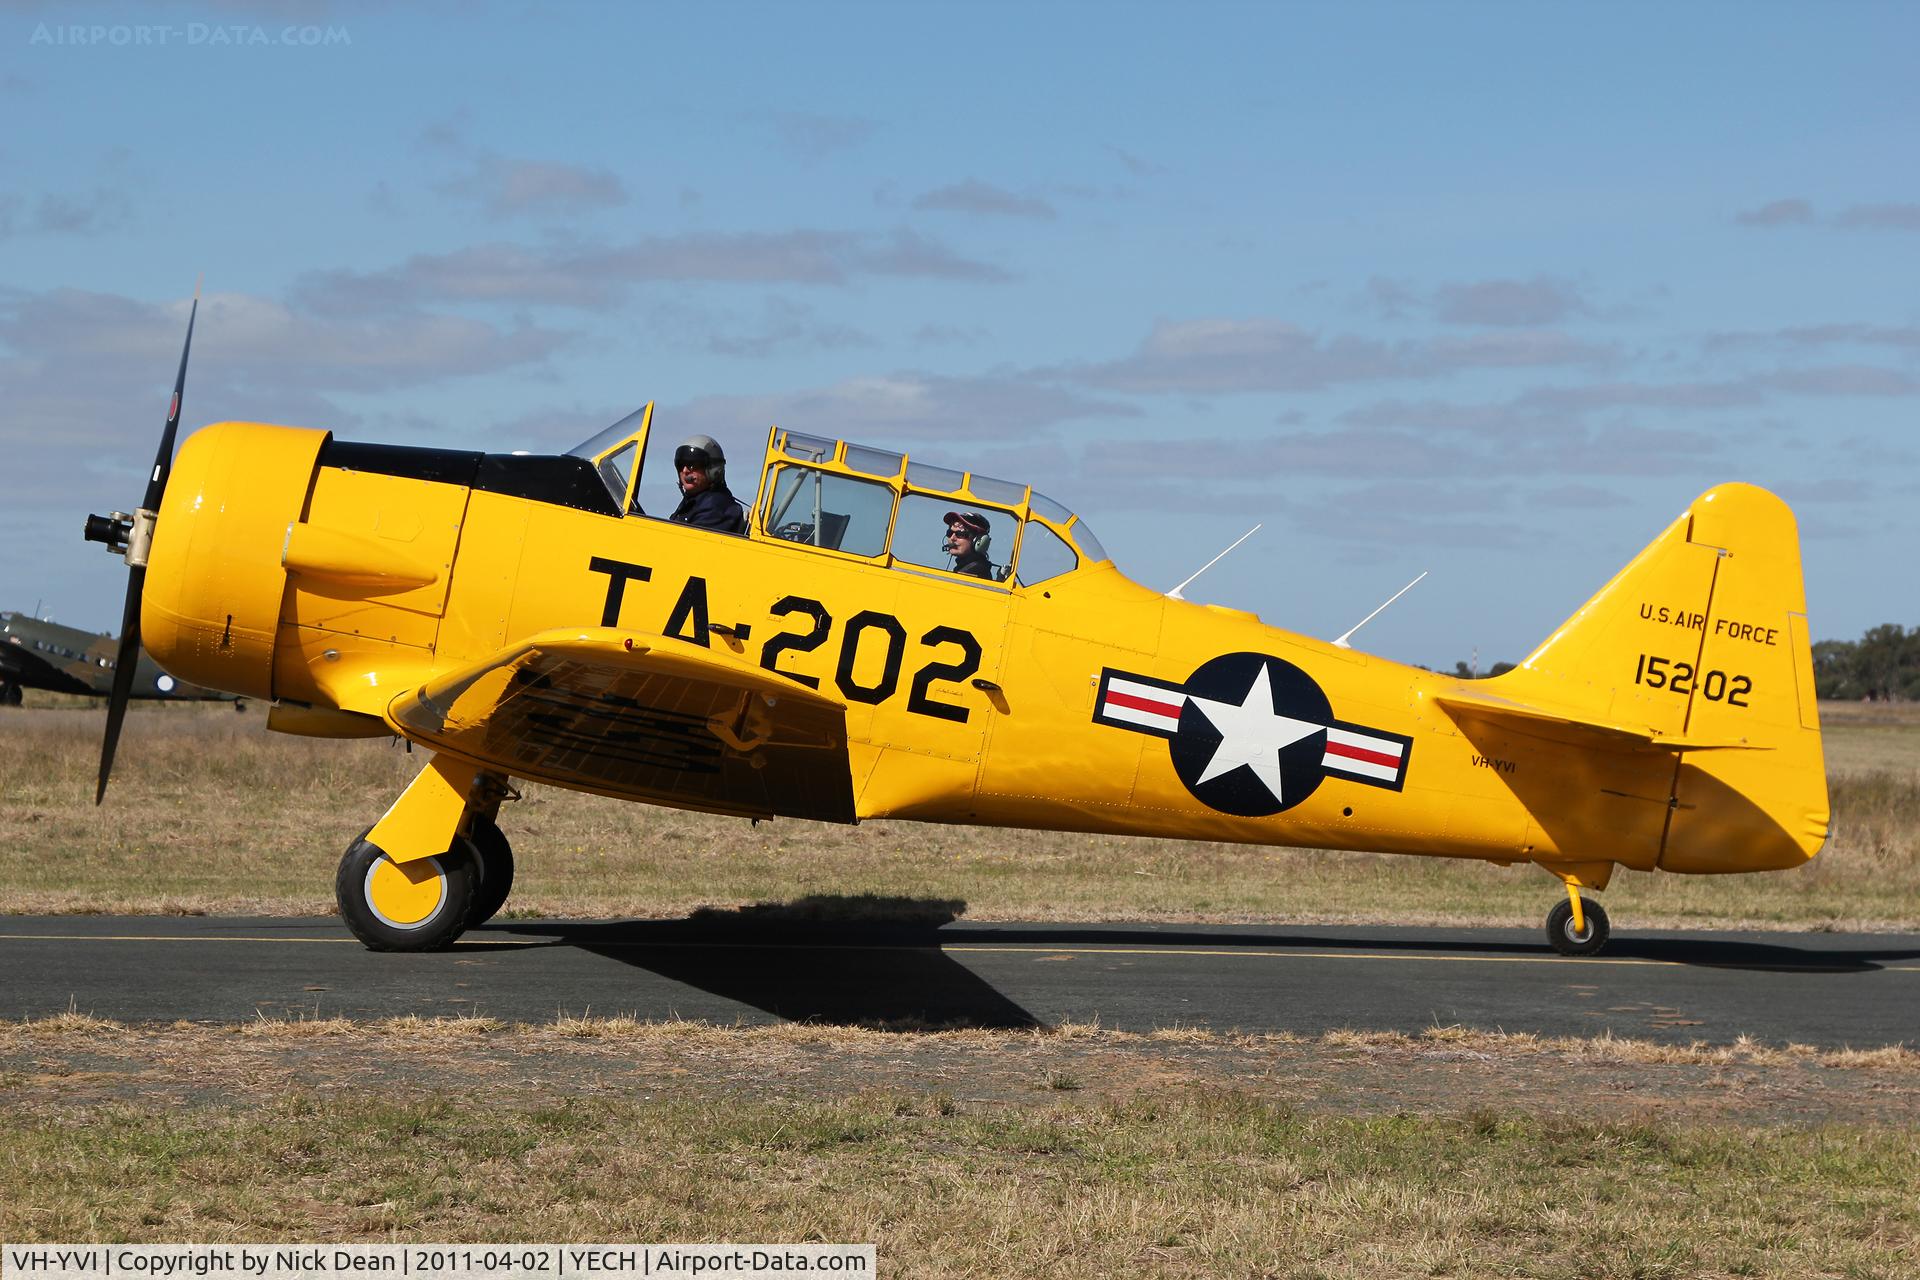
1777, 213
1843, 380
1891, 216
902, 407
1905, 338
1219, 356
815, 137
507, 187
89, 374
977, 197
1881, 217
1539, 301
268, 342
597, 276
783, 327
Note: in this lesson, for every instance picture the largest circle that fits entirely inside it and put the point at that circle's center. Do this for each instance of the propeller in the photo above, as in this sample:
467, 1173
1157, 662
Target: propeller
133, 535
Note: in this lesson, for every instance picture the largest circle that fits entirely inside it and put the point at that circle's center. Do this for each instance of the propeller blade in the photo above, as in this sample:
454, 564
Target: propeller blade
123, 671
128, 659
163, 460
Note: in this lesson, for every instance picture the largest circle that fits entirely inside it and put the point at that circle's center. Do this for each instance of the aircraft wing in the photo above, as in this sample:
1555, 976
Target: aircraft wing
1523, 715
31, 671
641, 717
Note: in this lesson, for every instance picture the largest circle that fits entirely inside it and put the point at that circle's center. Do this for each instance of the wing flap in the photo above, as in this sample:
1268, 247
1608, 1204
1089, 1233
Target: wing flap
642, 718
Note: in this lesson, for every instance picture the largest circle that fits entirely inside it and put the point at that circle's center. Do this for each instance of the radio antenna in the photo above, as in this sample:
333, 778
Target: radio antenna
1175, 593
1341, 643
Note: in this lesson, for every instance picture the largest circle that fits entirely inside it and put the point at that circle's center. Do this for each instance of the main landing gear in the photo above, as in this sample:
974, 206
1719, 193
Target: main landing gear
435, 866
1578, 926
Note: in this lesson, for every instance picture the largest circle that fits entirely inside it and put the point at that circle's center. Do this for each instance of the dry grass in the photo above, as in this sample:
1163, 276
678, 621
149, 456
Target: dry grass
1075, 1152
1207, 1183
210, 814
412, 1030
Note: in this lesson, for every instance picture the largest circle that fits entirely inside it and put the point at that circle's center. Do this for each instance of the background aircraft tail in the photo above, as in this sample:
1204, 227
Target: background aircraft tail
1696, 662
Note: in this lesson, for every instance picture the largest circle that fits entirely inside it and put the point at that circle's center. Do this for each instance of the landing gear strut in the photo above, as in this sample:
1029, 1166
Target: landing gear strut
435, 866
1577, 927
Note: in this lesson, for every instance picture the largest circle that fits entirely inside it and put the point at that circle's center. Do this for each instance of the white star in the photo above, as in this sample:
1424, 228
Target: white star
1252, 734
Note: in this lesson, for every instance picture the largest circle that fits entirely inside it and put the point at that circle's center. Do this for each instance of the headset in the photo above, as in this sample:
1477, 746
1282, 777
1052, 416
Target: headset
981, 542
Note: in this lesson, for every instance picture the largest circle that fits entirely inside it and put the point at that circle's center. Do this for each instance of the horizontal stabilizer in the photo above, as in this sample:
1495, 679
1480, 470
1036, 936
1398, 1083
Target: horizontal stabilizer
1628, 736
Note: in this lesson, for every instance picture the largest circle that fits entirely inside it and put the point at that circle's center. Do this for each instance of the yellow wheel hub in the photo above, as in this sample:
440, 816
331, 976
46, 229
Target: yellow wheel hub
406, 896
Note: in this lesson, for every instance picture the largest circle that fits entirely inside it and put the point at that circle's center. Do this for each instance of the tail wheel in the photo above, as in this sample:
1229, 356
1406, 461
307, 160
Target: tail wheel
496, 871
1569, 941
412, 906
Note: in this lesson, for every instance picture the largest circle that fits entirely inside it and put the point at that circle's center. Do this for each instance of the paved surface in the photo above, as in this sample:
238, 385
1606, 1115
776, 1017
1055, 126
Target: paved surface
1823, 989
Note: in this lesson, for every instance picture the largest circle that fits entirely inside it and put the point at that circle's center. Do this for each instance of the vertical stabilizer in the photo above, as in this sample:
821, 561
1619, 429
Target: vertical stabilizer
1702, 642
1753, 681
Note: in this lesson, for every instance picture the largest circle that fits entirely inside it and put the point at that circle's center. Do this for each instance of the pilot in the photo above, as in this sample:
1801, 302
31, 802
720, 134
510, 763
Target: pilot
967, 543
705, 500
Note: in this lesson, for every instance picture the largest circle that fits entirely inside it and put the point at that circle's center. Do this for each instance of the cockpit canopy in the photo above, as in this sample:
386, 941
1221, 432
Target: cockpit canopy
879, 506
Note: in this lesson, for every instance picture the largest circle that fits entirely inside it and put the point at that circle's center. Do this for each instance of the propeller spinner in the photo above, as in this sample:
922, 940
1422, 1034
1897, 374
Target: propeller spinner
132, 536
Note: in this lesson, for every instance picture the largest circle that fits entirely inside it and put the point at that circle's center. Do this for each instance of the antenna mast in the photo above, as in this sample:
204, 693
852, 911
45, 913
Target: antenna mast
1341, 643
1175, 593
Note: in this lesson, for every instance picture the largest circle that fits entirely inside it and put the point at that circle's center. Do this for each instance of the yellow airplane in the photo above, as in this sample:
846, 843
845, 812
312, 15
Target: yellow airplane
521, 618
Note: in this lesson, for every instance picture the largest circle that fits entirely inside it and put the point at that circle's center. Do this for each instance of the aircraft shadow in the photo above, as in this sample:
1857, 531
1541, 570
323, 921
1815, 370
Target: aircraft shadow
859, 961
820, 954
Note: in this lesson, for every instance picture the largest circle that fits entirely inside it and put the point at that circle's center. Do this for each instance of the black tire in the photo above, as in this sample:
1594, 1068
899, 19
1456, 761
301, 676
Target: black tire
424, 909
1568, 942
10, 694
496, 872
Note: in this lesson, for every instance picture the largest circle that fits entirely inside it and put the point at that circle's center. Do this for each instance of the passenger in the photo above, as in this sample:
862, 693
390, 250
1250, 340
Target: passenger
967, 543
704, 497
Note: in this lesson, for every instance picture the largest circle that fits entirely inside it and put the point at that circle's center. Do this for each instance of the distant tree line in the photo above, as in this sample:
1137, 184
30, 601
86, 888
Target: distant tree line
1881, 666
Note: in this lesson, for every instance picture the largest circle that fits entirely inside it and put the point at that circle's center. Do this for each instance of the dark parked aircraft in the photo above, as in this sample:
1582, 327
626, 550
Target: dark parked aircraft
35, 654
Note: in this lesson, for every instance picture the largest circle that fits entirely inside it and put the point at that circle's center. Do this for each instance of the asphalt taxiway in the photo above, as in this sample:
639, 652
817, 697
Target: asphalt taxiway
1830, 990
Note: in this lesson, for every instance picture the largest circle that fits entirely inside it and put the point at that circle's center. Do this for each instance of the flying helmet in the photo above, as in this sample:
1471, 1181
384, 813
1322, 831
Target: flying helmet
699, 451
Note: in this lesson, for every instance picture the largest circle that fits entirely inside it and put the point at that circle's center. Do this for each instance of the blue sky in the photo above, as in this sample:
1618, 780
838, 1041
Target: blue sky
1488, 290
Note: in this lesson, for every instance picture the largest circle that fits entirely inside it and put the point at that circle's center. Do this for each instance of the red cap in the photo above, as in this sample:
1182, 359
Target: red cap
972, 520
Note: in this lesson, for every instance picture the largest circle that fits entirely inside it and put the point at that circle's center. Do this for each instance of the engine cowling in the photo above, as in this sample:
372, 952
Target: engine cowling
216, 575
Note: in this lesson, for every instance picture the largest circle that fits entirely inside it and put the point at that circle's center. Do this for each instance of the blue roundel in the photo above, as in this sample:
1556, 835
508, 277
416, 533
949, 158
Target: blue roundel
1253, 735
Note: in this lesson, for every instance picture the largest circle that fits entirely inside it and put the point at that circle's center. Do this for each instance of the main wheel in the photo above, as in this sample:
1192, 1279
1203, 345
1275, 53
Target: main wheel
1569, 941
496, 871
412, 906
9, 694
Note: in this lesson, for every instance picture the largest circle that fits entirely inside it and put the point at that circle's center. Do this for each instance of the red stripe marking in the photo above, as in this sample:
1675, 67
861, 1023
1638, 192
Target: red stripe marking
1362, 754
1134, 702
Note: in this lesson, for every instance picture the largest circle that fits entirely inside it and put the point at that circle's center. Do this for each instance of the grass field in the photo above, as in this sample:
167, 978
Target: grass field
210, 813
1074, 1152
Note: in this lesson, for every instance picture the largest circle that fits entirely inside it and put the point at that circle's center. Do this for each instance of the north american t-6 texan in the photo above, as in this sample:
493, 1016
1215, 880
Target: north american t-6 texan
521, 618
